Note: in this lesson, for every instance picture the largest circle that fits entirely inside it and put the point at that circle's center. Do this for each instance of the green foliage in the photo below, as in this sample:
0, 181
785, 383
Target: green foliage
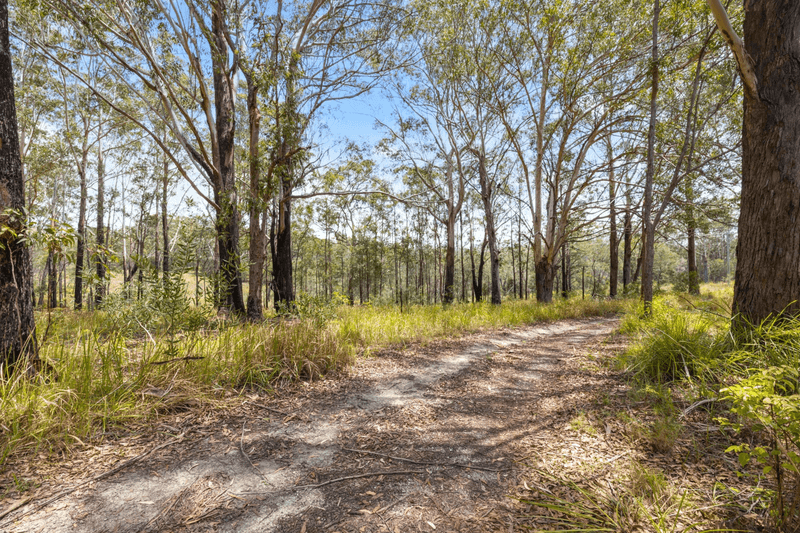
675, 344
768, 401
754, 371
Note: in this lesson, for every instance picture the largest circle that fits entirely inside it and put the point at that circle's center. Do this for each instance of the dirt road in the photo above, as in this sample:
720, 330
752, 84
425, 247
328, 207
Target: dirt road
420, 439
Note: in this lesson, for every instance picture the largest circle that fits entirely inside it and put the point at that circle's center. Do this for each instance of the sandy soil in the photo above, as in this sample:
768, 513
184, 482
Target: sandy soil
421, 439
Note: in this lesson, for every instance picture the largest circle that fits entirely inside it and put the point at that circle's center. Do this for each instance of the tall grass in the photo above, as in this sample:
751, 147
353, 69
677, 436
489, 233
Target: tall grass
129, 363
753, 371
379, 326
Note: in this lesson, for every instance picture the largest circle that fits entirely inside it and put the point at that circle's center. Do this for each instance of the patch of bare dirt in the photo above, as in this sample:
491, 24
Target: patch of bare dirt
429, 438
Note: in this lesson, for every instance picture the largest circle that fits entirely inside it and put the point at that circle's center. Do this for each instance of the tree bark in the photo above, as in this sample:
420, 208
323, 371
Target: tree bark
227, 223
164, 221
545, 276
627, 247
494, 252
100, 237
257, 233
17, 336
450, 260
648, 249
613, 242
80, 244
768, 268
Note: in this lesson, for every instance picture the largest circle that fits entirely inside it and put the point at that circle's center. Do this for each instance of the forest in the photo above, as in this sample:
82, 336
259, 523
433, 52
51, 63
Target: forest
265, 214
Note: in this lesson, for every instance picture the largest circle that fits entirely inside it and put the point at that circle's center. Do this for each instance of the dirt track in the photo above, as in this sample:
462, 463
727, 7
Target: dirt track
422, 439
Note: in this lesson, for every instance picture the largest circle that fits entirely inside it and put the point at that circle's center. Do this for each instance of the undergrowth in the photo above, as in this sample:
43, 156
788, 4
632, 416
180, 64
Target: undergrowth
752, 375
137, 358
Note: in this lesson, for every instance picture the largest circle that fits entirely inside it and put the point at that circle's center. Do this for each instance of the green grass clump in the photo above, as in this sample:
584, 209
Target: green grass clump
752, 371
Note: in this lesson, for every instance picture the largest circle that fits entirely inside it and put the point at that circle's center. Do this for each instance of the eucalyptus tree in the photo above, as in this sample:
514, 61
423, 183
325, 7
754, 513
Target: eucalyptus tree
17, 334
768, 250
175, 61
320, 52
459, 73
689, 48
570, 78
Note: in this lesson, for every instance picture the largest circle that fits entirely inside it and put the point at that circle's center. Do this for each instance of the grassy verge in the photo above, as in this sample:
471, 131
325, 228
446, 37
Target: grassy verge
135, 360
742, 388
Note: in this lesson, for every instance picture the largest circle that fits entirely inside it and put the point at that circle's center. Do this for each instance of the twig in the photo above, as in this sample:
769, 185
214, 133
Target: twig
384, 509
357, 476
98, 477
241, 448
276, 411
187, 358
695, 406
15, 507
426, 463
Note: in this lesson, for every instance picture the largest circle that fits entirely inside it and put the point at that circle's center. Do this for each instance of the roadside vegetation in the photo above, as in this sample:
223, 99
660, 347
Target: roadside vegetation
136, 359
699, 393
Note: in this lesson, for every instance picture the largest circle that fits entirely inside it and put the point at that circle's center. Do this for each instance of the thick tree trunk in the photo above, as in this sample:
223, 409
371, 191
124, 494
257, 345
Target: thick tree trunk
227, 224
768, 268
613, 243
17, 337
491, 236
257, 233
545, 276
648, 249
450, 261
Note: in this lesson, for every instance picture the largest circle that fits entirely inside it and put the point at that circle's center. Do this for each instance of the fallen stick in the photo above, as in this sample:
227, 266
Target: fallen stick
93, 479
187, 358
276, 411
357, 476
15, 507
426, 463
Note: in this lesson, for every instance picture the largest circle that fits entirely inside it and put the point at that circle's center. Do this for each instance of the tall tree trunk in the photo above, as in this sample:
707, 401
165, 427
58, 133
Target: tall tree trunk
257, 230
164, 221
450, 260
627, 247
612, 240
17, 334
648, 249
564, 279
691, 248
227, 224
100, 237
80, 244
768, 268
491, 236
52, 281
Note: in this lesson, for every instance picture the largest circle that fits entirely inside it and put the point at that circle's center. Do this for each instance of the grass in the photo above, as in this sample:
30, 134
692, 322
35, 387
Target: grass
639, 499
133, 360
750, 375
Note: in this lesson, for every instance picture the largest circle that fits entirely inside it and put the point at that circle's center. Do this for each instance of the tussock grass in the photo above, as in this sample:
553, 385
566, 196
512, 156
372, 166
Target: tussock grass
133, 361
752, 372
640, 499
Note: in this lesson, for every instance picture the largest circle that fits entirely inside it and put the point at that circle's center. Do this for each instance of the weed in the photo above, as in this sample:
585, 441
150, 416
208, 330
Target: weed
582, 424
